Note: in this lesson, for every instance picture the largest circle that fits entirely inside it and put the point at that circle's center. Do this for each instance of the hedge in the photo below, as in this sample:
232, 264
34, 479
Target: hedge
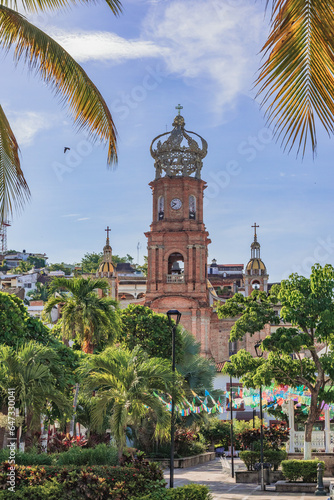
305, 470
98, 482
187, 492
102, 454
274, 457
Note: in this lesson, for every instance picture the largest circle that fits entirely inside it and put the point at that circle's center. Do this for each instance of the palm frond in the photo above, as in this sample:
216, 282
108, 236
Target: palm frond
58, 69
296, 79
14, 190
50, 5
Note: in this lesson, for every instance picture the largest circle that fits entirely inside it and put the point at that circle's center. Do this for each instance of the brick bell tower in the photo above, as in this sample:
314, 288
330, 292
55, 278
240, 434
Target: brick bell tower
178, 240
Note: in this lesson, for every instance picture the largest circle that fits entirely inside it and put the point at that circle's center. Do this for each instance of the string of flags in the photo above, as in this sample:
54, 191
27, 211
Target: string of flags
272, 397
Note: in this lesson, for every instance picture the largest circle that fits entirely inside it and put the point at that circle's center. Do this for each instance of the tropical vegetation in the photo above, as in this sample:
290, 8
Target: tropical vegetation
85, 316
296, 78
291, 352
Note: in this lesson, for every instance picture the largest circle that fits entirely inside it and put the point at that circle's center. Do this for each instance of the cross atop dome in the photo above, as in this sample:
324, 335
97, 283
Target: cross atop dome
181, 152
179, 107
108, 231
255, 226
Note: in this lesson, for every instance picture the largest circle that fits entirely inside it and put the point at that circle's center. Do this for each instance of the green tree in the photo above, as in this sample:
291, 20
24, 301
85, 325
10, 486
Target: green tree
124, 382
37, 262
296, 79
142, 326
144, 267
85, 316
59, 70
291, 352
90, 262
23, 267
40, 293
61, 266
17, 326
31, 372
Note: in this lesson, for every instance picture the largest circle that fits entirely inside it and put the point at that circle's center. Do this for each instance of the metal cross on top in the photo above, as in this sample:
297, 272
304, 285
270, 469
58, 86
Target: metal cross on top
179, 107
108, 231
255, 226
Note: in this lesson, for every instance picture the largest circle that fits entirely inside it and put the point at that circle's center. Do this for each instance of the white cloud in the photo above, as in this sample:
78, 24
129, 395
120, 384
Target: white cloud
26, 125
104, 46
214, 41
84, 218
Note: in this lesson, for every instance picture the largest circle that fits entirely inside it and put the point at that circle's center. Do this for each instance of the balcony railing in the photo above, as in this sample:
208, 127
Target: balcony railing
175, 278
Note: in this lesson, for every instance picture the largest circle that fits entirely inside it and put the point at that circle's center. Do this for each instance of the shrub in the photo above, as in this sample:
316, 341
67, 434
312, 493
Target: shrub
249, 458
274, 437
47, 491
98, 482
274, 457
188, 492
306, 470
100, 455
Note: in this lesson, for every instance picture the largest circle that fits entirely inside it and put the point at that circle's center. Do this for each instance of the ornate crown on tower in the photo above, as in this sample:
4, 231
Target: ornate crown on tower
180, 154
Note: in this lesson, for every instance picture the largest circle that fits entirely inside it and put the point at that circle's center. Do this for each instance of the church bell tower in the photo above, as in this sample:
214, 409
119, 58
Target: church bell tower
178, 240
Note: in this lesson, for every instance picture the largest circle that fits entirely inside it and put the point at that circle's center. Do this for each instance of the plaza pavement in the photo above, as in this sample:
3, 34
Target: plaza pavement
223, 487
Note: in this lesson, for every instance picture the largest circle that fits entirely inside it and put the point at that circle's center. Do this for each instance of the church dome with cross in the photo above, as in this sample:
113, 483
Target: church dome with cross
106, 267
178, 152
255, 266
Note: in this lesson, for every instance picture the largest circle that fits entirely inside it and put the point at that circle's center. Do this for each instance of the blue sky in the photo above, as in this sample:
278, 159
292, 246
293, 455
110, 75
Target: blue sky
157, 54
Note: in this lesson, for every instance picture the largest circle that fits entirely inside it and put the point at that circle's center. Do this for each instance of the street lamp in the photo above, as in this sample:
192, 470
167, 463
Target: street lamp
176, 315
231, 420
259, 355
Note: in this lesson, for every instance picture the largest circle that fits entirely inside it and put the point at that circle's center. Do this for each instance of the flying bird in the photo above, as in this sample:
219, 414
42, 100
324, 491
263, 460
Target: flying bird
66, 148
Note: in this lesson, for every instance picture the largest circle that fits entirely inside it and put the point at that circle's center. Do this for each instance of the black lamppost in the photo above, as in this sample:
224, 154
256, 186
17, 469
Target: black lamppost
231, 420
259, 355
176, 315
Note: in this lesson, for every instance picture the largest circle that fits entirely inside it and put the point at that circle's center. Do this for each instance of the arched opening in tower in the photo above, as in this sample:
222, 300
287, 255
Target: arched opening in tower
256, 285
175, 268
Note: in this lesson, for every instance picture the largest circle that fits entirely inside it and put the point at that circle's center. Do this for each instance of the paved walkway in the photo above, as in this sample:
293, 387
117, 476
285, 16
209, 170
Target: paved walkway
223, 487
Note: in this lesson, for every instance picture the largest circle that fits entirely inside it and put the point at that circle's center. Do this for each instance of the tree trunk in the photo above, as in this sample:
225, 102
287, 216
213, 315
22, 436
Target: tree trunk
87, 347
75, 402
313, 416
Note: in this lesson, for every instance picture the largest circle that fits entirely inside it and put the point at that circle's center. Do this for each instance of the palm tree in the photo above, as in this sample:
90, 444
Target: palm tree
85, 316
66, 77
23, 267
296, 79
31, 372
40, 293
124, 382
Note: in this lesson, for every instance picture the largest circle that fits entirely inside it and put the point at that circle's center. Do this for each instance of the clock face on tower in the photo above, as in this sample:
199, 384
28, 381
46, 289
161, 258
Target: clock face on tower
176, 204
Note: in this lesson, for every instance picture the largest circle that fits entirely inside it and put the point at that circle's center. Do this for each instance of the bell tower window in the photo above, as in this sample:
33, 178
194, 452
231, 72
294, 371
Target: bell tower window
175, 268
161, 208
192, 207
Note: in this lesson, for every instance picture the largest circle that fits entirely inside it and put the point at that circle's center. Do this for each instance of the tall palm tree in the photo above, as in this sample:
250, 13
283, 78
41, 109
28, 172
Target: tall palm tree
296, 79
31, 372
124, 382
65, 77
85, 316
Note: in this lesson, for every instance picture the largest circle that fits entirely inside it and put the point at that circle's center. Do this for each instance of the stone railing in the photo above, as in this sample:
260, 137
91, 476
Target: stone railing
318, 441
175, 278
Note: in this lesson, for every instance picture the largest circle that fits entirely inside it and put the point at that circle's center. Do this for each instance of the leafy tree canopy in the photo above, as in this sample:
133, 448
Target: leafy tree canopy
61, 266
91, 261
141, 326
37, 262
291, 352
